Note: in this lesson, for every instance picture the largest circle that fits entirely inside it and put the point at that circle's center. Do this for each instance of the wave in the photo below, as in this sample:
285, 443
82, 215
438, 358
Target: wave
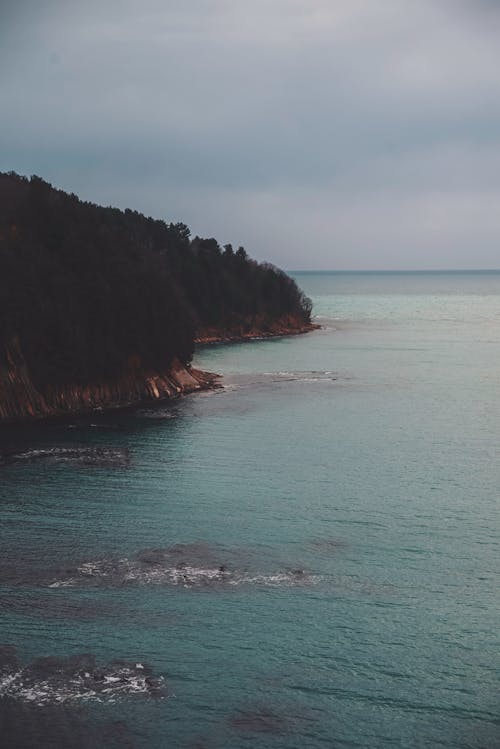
182, 565
79, 456
237, 381
306, 376
55, 681
127, 571
278, 579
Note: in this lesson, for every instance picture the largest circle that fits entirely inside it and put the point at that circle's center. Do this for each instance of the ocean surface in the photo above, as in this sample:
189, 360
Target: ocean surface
308, 557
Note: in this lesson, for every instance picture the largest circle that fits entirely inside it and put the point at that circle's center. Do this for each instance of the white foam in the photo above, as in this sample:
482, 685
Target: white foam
278, 579
63, 583
92, 569
186, 576
182, 575
76, 455
122, 683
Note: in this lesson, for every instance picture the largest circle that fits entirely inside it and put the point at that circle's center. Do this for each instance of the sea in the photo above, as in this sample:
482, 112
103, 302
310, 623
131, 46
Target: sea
306, 557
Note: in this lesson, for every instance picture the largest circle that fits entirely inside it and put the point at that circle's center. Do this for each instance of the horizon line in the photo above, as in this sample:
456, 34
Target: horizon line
393, 270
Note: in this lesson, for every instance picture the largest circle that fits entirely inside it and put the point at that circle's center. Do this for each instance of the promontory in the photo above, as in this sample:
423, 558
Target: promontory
101, 308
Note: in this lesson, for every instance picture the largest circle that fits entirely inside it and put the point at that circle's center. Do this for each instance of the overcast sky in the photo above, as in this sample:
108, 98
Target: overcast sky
330, 134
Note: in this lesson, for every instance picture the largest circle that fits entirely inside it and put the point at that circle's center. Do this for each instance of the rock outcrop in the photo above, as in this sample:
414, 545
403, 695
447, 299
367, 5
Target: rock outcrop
256, 329
21, 399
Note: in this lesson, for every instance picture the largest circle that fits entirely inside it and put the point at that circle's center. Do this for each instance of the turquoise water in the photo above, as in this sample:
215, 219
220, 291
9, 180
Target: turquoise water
324, 531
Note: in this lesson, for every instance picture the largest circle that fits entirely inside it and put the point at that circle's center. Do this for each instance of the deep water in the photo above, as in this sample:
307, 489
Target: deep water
308, 557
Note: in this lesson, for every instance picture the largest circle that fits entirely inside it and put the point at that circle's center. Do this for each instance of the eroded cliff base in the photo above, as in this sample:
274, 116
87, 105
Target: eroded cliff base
284, 326
22, 400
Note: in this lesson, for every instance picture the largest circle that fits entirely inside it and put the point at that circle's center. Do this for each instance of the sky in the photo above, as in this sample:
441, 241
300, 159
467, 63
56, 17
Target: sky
319, 134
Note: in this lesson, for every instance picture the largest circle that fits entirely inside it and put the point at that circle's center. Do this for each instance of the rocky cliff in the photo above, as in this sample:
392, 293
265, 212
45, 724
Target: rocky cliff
21, 399
255, 329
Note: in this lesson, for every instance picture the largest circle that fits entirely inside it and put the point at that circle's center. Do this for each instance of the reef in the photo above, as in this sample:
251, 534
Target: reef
52, 680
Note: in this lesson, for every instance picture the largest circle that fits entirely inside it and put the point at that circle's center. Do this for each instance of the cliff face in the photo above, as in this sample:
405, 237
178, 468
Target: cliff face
21, 400
255, 328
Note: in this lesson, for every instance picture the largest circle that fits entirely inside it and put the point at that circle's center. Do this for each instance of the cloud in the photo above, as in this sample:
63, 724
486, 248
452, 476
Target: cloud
285, 125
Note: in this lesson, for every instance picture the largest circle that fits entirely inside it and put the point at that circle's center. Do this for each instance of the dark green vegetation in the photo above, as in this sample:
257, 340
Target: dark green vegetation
86, 290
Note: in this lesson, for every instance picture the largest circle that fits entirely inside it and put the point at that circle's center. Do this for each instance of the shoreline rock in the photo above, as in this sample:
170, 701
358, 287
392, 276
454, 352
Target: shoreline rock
21, 401
210, 336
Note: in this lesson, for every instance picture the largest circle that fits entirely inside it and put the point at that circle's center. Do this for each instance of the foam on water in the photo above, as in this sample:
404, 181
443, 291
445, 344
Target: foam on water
157, 571
51, 681
279, 378
78, 456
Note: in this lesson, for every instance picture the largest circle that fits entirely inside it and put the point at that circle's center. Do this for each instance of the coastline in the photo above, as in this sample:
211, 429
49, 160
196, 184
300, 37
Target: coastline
210, 336
102, 308
21, 401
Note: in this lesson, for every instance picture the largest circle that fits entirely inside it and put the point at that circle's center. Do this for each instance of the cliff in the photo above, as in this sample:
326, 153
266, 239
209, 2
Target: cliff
101, 308
255, 329
21, 400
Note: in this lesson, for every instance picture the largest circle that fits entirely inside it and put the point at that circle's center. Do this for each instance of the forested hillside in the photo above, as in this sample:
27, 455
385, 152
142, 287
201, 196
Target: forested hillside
87, 293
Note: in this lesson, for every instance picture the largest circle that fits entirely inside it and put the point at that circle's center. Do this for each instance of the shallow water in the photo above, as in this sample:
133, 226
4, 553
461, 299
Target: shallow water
307, 558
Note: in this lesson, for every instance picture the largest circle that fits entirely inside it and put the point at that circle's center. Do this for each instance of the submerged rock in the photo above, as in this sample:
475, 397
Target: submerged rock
54, 680
197, 565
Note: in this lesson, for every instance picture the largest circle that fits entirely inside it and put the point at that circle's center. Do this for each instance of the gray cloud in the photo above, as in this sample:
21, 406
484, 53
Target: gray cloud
319, 133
